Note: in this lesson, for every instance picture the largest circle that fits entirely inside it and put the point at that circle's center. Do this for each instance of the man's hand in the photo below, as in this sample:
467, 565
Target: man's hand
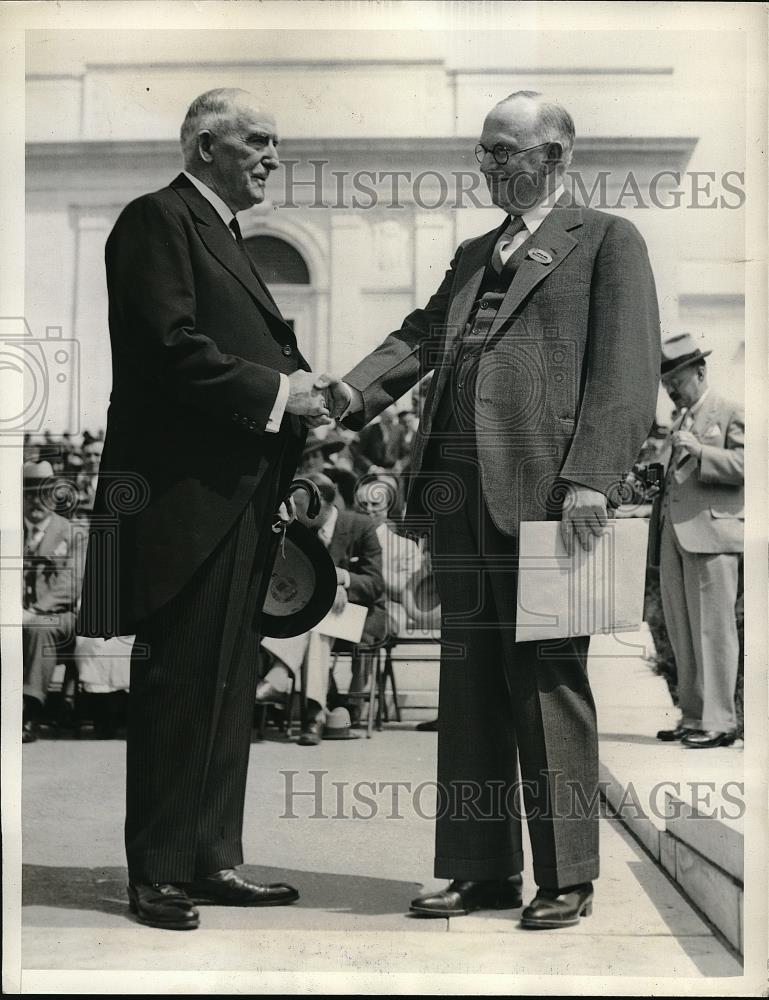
340, 601
305, 398
338, 394
584, 515
687, 441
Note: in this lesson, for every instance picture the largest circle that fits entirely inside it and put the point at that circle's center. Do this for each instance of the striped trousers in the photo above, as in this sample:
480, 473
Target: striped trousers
191, 713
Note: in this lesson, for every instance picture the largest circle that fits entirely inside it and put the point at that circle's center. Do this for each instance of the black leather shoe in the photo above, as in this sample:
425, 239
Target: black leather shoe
160, 904
553, 908
671, 735
28, 732
266, 694
708, 739
427, 727
227, 888
463, 897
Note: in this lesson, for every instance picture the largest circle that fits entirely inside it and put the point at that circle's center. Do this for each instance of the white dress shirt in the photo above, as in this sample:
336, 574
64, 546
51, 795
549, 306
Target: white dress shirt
532, 220
227, 215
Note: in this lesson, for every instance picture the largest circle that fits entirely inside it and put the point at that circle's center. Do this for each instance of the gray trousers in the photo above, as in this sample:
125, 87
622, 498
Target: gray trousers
699, 591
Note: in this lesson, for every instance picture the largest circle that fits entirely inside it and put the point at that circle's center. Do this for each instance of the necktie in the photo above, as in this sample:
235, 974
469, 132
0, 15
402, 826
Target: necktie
235, 228
682, 455
515, 226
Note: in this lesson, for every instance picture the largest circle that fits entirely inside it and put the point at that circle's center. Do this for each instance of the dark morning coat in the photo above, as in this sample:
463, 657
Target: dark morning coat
197, 345
567, 381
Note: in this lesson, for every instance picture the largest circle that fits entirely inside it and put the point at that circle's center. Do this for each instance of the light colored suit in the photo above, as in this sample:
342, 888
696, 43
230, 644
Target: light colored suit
702, 524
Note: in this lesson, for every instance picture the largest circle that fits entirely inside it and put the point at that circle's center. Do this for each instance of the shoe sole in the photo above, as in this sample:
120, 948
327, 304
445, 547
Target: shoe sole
210, 901
188, 925
425, 912
532, 924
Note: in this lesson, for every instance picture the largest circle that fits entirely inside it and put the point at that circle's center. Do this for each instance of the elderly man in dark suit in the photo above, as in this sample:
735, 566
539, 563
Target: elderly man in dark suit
203, 435
544, 342
702, 519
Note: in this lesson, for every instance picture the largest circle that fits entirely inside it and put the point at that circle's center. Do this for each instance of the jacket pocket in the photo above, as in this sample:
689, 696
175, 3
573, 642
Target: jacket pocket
738, 515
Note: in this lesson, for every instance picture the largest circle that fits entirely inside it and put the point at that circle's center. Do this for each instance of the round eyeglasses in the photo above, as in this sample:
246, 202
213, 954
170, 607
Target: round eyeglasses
502, 153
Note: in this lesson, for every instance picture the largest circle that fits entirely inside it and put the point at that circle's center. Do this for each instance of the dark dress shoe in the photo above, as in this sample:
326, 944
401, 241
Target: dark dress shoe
427, 727
553, 908
463, 897
227, 888
160, 904
28, 732
266, 694
671, 735
708, 739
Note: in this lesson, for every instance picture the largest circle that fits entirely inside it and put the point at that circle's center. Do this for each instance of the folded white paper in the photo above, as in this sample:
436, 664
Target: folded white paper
345, 624
588, 593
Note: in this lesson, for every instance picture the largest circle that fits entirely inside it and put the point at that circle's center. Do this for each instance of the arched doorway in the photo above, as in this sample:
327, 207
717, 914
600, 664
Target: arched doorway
285, 272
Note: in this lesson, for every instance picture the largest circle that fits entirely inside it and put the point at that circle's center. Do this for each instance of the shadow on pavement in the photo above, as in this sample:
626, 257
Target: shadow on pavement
104, 889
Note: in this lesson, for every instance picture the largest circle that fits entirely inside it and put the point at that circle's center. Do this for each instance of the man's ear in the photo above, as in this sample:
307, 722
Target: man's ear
553, 156
204, 146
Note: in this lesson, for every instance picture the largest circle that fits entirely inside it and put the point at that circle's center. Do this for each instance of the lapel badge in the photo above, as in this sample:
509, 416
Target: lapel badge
541, 256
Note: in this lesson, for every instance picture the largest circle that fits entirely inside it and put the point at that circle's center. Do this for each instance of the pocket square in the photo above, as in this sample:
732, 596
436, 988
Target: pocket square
713, 431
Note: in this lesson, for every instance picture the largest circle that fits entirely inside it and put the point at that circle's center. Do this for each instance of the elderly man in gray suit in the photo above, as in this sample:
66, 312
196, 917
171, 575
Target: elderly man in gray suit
544, 342
702, 527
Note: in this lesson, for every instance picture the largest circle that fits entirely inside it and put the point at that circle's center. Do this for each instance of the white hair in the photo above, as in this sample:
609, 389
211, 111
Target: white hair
208, 111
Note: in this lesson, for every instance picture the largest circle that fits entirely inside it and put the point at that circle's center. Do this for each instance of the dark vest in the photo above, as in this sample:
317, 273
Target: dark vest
455, 411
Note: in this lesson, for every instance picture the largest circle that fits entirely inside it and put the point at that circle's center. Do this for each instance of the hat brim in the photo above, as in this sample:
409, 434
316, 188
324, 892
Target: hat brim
302, 586
342, 734
690, 359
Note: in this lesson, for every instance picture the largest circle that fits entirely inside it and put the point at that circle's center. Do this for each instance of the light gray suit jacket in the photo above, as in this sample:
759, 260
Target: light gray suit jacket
706, 499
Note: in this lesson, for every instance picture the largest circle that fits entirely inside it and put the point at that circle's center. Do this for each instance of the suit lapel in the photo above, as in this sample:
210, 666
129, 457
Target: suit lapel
554, 236
220, 243
470, 269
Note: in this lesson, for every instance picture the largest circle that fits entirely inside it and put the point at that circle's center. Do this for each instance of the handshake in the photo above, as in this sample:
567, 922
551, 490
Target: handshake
317, 399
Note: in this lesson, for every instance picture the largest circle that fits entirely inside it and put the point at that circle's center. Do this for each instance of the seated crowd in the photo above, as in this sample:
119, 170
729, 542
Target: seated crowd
361, 480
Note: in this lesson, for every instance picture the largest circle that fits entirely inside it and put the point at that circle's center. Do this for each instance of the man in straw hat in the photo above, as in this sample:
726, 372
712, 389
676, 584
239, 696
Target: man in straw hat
702, 527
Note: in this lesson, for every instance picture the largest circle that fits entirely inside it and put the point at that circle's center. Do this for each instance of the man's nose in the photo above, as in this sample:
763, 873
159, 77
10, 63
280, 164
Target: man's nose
270, 157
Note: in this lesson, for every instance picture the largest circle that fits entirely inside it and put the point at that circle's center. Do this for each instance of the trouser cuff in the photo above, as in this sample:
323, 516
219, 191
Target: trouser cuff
564, 875
479, 869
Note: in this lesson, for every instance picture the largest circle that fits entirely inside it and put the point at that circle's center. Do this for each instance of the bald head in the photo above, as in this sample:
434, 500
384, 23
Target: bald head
527, 141
542, 118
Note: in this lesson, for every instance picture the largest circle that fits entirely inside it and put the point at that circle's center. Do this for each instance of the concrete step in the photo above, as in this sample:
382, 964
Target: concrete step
685, 806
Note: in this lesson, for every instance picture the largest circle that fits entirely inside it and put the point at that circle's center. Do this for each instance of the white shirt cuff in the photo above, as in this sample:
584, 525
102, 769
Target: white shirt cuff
345, 579
356, 403
276, 415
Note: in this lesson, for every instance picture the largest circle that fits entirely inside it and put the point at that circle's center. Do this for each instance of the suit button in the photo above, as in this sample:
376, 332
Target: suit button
484, 304
460, 385
287, 350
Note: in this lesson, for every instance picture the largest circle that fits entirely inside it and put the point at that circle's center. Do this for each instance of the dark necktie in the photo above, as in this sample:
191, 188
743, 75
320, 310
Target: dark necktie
515, 226
235, 228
